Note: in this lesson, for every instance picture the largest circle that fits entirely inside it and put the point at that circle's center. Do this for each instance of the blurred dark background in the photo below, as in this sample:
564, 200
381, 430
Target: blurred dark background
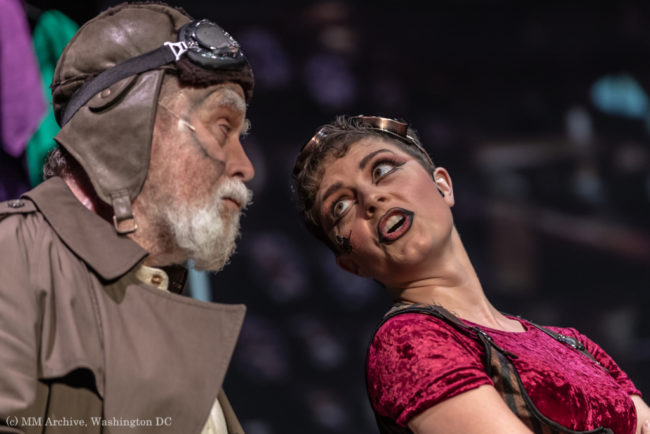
540, 112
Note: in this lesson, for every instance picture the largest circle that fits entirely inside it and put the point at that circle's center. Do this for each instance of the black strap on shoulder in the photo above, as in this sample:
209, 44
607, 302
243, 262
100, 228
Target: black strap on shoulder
568, 340
444, 315
498, 367
431, 309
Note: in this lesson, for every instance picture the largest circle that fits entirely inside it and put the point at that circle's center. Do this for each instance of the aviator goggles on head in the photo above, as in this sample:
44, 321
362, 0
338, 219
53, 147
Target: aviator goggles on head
203, 42
389, 126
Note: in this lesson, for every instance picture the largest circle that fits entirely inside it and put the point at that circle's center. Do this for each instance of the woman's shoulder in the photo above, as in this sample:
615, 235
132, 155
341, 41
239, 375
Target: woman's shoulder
416, 360
416, 336
418, 322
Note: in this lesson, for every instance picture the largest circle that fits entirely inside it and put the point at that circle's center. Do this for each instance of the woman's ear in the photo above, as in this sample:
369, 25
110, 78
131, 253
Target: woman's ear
443, 181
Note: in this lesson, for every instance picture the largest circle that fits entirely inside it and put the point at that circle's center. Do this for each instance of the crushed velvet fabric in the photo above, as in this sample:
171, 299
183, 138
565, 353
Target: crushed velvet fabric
416, 361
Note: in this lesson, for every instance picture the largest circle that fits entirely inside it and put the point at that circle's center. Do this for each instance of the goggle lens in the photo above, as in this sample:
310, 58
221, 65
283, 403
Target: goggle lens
210, 46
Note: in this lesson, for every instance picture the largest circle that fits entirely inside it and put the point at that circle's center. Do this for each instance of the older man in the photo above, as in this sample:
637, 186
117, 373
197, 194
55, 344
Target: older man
149, 174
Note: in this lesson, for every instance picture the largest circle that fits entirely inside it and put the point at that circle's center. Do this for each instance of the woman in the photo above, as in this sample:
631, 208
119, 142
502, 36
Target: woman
444, 360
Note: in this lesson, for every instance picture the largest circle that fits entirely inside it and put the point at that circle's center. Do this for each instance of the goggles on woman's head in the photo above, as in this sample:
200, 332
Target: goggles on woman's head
203, 42
393, 127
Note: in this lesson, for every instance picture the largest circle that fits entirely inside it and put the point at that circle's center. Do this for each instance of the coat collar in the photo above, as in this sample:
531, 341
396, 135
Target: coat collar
88, 235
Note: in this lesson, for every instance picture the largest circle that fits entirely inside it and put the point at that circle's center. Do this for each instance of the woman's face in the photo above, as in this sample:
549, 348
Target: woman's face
392, 222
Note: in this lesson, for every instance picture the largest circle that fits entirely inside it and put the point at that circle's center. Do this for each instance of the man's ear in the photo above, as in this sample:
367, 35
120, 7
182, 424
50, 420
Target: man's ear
443, 180
349, 265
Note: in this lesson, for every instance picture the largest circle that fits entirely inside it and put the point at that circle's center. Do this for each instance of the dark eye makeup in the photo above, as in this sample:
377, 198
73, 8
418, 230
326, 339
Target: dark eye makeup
393, 164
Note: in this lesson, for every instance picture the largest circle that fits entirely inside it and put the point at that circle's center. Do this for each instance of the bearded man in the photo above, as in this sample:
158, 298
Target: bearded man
149, 173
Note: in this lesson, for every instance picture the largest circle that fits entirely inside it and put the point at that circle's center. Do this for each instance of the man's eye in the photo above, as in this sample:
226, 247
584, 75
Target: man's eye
340, 207
225, 128
219, 128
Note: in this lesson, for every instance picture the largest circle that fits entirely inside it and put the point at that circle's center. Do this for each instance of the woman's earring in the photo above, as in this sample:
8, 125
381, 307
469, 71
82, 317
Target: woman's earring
440, 191
437, 186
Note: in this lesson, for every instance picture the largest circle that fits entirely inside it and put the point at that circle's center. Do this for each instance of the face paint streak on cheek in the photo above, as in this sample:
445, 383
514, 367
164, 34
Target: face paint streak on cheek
343, 243
220, 164
183, 124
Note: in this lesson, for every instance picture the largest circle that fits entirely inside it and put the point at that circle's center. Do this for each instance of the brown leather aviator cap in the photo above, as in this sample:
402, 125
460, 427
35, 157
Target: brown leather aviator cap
110, 134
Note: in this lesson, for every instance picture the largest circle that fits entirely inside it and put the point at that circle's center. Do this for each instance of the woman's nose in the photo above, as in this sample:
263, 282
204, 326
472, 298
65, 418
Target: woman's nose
372, 202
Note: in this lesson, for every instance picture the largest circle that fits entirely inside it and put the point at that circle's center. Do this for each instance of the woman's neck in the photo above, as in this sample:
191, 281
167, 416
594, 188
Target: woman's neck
454, 285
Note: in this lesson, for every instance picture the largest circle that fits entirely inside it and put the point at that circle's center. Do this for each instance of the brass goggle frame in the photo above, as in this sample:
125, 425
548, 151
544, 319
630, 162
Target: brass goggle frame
390, 126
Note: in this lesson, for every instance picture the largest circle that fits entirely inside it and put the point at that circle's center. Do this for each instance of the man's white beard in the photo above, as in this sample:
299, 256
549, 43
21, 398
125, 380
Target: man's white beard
203, 232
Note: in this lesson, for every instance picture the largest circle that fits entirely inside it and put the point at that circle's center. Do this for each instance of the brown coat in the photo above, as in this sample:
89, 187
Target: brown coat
83, 341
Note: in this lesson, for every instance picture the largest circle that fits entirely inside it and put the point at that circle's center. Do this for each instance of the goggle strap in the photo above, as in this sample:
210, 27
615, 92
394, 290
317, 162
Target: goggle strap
136, 65
178, 49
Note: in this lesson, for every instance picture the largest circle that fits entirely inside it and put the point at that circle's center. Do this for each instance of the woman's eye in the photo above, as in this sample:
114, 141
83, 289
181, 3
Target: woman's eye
340, 207
381, 169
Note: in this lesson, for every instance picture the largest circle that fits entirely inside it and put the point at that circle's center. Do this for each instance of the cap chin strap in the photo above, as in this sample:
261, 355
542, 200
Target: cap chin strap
123, 218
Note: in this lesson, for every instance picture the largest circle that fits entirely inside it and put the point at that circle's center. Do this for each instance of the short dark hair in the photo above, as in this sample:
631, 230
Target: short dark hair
334, 141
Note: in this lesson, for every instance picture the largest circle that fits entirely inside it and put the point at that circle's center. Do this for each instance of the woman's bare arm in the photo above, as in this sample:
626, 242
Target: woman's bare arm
642, 415
478, 411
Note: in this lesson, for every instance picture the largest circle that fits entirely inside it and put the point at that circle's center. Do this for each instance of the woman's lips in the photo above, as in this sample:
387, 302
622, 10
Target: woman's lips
394, 224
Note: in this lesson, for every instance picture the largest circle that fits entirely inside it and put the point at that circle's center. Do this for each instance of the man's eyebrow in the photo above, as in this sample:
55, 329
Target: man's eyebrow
246, 127
364, 161
228, 98
233, 100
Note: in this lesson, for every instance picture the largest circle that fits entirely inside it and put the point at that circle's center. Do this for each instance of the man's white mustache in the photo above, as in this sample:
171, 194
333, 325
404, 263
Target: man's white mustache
236, 190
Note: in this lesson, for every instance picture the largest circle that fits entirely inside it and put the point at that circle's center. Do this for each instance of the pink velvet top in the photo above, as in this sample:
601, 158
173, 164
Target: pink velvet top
416, 361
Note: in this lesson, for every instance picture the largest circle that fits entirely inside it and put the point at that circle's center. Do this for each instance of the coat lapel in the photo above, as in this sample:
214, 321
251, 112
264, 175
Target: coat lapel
152, 338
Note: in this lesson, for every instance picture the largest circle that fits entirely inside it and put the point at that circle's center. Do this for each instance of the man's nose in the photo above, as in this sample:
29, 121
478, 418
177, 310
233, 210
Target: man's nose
238, 164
